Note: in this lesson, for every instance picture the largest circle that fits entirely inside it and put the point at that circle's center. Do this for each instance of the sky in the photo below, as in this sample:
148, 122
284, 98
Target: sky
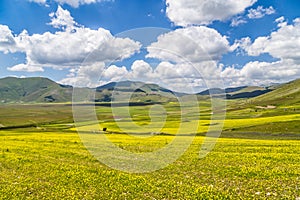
185, 45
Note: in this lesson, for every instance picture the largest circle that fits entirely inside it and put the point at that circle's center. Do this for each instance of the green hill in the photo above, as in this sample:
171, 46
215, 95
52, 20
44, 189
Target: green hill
40, 90
236, 92
135, 90
35, 89
283, 94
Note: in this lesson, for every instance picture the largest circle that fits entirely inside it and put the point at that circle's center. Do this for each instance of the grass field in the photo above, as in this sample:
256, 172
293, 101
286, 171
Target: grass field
257, 156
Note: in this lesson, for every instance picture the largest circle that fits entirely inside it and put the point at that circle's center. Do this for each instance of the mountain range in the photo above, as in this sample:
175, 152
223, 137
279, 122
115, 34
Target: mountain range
41, 90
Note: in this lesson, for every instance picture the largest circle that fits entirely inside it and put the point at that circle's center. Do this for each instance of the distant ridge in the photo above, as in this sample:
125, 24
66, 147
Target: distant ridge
136, 86
139, 91
43, 90
237, 92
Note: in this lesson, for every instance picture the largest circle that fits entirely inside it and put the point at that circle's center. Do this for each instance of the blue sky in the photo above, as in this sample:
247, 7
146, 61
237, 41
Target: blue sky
249, 36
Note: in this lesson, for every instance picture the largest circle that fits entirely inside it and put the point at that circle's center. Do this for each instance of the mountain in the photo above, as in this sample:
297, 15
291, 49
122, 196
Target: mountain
247, 92
282, 94
212, 91
41, 90
237, 92
33, 90
136, 86
136, 91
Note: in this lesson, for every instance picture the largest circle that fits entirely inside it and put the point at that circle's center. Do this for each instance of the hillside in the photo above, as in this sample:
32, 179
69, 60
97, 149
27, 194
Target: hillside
236, 92
35, 89
136, 86
284, 94
136, 91
40, 90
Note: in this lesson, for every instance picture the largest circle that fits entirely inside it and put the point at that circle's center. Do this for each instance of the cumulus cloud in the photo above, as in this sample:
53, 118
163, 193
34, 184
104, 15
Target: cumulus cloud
114, 73
7, 40
188, 59
140, 69
189, 56
203, 12
73, 3
181, 77
62, 19
68, 47
195, 44
261, 73
86, 75
283, 43
260, 12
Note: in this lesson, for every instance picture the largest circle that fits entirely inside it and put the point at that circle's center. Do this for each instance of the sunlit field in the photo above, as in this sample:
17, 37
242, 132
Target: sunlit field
56, 165
42, 156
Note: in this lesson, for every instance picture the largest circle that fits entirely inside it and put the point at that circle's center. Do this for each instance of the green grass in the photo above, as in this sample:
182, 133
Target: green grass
17, 115
142, 119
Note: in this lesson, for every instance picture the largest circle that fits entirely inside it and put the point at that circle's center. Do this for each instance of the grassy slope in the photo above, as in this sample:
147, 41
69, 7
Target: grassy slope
32, 90
285, 94
253, 115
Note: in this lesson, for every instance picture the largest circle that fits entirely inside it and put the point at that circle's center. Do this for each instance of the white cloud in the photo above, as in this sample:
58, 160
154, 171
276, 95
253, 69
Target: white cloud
257, 13
95, 75
62, 19
73, 3
205, 70
181, 77
7, 40
241, 45
38, 1
195, 44
203, 12
280, 19
283, 43
260, 12
87, 75
236, 21
26, 67
71, 47
189, 58
114, 73
141, 70
261, 73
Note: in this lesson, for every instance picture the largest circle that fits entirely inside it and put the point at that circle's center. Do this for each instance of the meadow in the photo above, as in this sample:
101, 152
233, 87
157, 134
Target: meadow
256, 157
